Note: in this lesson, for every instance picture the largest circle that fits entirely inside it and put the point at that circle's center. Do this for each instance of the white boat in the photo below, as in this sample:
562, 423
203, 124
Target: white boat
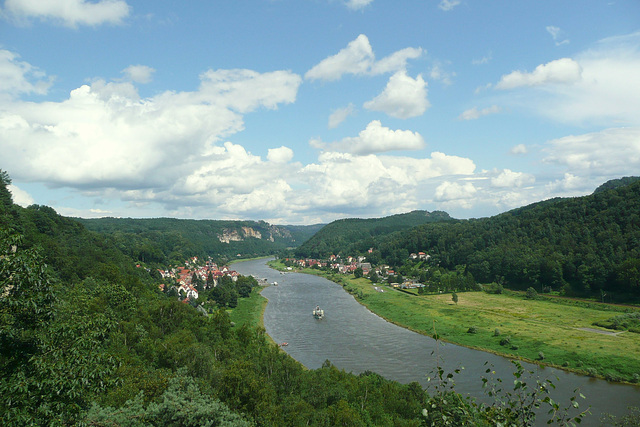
318, 313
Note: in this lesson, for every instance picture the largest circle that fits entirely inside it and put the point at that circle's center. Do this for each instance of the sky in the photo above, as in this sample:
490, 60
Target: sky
308, 111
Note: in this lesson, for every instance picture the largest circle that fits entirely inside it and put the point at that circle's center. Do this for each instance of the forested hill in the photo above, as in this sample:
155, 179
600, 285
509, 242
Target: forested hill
168, 239
586, 245
352, 235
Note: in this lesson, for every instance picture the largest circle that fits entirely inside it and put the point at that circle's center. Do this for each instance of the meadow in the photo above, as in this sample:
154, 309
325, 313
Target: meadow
554, 332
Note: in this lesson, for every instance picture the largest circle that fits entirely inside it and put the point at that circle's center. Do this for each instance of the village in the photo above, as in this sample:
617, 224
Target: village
194, 278
359, 266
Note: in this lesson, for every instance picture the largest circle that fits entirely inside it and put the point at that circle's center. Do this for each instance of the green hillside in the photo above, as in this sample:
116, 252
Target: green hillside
353, 235
171, 240
583, 246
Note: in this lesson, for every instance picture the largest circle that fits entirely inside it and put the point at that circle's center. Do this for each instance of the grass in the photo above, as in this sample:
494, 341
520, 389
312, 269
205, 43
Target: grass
533, 327
250, 310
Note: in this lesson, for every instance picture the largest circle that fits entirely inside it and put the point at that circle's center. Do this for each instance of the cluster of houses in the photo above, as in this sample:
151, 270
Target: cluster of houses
350, 264
183, 276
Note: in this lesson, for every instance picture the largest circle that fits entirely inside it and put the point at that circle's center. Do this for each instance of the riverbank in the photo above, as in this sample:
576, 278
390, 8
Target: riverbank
538, 331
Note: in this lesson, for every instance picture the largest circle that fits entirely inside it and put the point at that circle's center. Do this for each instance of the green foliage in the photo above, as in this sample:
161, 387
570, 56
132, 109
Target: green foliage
623, 322
454, 297
583, 245
531, 293
351, 236
182, 404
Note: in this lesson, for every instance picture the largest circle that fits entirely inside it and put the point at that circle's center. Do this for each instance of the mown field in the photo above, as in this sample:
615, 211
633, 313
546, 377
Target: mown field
541, 331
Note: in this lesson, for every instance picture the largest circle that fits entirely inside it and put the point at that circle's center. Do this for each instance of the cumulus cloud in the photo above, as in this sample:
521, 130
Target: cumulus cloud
598, 86
20, 197
402, 98
19, 77
565, 70
340, 115
519, 149
104, 135
608, 153
358, 4
70, 13
474, 113
375, 138
245, 90
358, 59
508, 178
280, 155
139, 73
448, 5
456, 194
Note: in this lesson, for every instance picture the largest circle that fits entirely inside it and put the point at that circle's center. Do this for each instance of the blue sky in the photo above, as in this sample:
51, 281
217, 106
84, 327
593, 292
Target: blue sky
306, 111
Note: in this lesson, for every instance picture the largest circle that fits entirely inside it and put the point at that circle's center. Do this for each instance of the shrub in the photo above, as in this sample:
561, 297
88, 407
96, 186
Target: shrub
496, 333
472, 330
540, 355
531, 294
506, 340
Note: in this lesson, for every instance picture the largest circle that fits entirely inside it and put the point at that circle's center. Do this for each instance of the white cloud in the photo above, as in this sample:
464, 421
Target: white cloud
456, 194
608, 153
556, 34
245, 90
561, 71
105, 136
474, 113
600, 86
397, 61
20, 197
439, 73
448, 5
375, 138
518, 149
280, 155
358, 59
357, 4
139, 73
70, 13
340, 115
19, 77
403, 97
508, 178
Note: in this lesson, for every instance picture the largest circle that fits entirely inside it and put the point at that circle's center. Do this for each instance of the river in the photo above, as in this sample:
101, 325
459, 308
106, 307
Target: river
357, 340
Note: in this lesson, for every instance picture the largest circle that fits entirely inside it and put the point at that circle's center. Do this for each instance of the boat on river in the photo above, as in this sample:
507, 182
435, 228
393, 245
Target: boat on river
318, 313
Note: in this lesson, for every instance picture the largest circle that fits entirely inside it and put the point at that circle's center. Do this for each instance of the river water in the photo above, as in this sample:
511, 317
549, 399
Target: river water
356, 340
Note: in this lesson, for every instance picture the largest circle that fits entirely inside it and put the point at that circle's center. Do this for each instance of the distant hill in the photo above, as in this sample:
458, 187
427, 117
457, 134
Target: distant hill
615, 183
349, 236
585, 245
159, 239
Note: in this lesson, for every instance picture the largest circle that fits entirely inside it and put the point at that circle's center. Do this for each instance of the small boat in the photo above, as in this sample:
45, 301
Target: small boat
275, 283
318, 313
284, 344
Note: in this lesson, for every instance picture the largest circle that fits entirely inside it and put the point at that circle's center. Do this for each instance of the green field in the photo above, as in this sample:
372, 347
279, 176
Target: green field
540, 331
249, 310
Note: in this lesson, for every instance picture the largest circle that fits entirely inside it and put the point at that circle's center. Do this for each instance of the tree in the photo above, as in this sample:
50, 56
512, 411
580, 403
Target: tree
454, 297
358, 273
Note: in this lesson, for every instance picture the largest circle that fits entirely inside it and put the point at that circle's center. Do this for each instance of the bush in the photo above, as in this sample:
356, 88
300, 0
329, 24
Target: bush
496, 333
506, 340
531, 294
472, 330
540, 355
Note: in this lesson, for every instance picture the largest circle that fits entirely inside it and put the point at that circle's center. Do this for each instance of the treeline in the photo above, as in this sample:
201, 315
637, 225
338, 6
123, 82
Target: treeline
583, 246
103, 346
353, 235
